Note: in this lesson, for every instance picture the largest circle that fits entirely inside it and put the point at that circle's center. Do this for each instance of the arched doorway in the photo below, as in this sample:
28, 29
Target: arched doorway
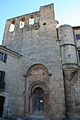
1, 105
38, 100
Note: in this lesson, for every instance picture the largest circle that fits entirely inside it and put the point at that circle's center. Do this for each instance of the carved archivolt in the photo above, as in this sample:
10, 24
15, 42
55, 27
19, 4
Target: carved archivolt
36, 85
37, 72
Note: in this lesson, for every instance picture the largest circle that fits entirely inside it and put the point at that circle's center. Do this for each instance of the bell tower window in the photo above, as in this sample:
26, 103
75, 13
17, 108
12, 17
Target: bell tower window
22, 23
12, 26
31, 20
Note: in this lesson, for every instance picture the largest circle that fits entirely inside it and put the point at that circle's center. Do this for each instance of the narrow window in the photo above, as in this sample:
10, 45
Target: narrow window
79, 54
22, 23
3, 57
31, 20
2, 76
12, 26
1, 105
57, 33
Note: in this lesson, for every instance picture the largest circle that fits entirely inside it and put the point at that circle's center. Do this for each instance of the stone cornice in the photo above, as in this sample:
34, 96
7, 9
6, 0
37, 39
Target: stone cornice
9, 51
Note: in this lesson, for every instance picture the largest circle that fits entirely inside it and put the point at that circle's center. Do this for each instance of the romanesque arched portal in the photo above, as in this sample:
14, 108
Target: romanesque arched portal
38, 91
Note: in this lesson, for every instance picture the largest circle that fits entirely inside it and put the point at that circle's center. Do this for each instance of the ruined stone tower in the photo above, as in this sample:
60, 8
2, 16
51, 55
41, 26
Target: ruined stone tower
39, 67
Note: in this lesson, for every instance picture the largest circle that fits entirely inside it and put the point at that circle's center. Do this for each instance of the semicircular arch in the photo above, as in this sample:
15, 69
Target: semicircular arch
38, 84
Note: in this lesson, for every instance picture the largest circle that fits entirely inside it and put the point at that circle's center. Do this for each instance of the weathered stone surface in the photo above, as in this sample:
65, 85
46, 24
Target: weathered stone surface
38, 61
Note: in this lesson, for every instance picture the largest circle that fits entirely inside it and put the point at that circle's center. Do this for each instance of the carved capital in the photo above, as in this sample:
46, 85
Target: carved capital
69, 73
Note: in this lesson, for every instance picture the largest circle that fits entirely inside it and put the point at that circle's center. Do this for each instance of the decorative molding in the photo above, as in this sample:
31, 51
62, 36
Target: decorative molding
68, 44
9, 51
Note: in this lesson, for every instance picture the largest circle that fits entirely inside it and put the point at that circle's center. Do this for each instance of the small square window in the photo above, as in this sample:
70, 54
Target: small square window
78, 37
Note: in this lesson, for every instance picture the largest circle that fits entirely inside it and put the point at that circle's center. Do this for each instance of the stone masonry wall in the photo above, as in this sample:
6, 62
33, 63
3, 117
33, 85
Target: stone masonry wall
11, 81
39, 45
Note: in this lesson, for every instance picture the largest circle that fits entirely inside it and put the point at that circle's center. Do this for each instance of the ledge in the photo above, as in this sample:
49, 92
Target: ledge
9, 51
67, 44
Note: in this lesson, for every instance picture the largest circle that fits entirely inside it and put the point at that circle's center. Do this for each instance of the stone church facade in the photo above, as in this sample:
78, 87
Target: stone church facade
39, 67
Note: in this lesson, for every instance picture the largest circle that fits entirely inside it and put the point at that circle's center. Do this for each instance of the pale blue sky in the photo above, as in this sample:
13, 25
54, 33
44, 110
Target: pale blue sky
66, 11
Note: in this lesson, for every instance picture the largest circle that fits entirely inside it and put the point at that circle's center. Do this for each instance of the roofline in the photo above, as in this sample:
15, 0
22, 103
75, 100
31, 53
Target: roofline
22, 15
7, 50
47, 5
76, 27
31, 12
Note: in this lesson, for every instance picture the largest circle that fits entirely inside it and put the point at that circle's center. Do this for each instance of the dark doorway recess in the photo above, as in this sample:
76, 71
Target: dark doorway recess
38, 100
1, 105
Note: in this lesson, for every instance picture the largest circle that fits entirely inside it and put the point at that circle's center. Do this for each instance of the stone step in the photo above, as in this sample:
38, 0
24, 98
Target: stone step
37, 117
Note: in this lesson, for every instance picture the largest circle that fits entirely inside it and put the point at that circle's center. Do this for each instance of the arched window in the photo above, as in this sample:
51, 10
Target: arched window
12, 26
22, 23
31, 20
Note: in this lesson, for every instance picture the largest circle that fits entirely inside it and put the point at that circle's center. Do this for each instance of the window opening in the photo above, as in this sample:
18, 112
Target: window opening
78, 37
3, 57
22, 23
2, 74
2, 77
79, 54
1, 105
44, 23
12, 26
57, 34
31, 20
